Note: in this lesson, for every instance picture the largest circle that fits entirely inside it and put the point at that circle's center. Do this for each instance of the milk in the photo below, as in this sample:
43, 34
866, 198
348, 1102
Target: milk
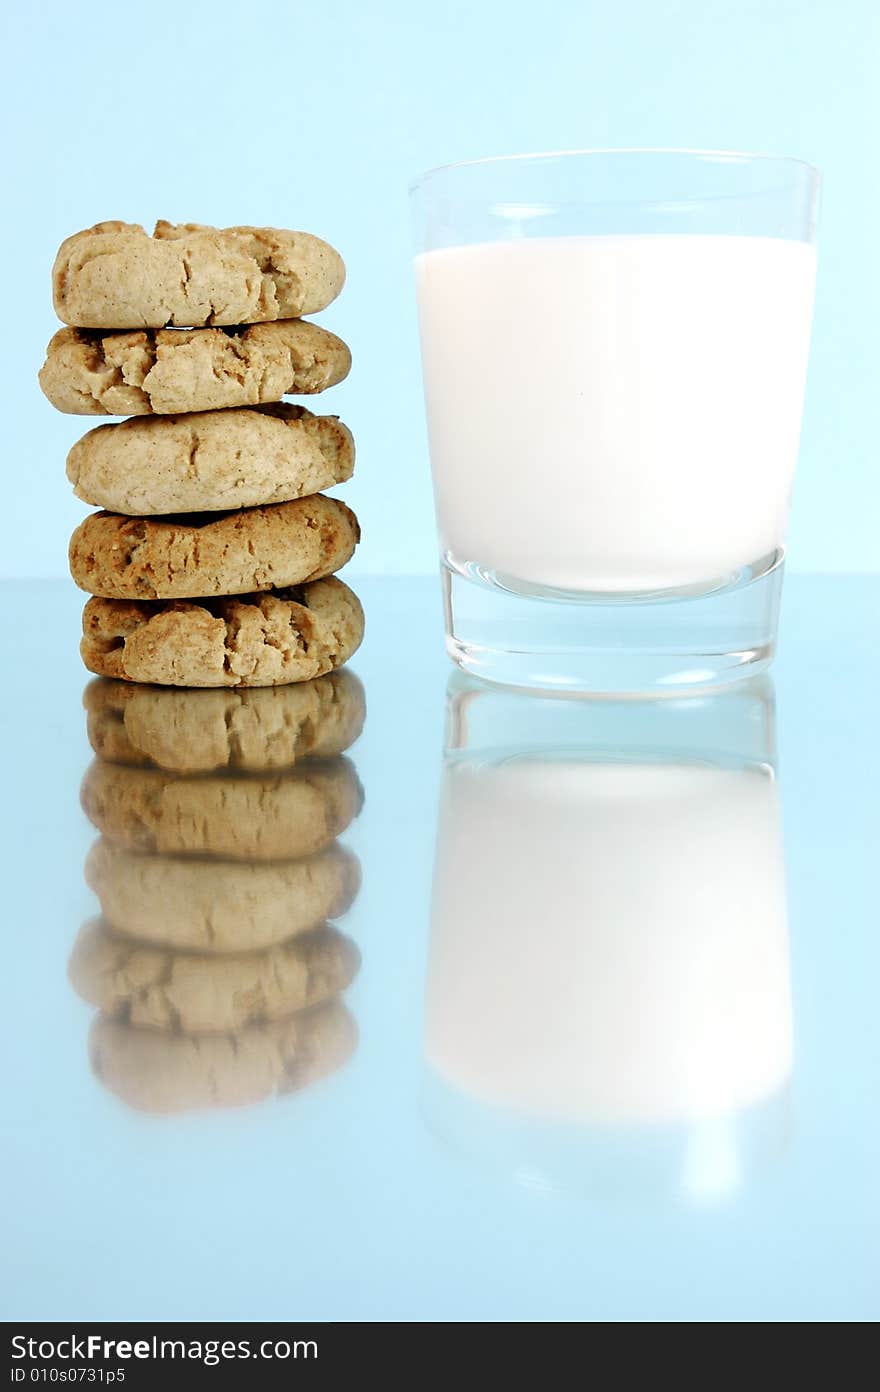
609, 942
615, 413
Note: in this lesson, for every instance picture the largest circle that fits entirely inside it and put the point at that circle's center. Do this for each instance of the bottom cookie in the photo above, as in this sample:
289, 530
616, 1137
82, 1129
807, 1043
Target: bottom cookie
180, 1073
266, 639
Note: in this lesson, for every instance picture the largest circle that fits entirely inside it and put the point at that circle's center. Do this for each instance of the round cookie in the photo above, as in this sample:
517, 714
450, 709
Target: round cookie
201, 555
217, 906
170, 1073
254, 640
154, 989
164, 371
211, 461
270, 817
115, 276
257, 730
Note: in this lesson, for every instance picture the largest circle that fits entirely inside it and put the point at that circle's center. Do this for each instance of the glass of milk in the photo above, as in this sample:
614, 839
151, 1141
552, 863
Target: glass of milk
608, 1002
614, 348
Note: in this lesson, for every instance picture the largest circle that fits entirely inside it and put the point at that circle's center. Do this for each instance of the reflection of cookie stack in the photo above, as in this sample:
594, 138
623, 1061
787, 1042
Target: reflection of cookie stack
214, 562
216, 972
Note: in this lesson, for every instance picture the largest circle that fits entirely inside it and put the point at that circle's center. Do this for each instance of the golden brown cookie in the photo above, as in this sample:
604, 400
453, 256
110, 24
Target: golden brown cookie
218, 906
256, 730
205, 554
156, 989
115, 276
270, 639
164, 371
274, 816
212, 461
168, 1073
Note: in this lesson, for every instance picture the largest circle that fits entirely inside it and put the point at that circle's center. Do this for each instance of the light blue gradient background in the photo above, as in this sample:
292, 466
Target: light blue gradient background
318, 116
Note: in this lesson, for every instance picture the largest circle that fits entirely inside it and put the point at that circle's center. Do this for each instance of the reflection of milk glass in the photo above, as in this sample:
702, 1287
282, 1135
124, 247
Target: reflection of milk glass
609, 954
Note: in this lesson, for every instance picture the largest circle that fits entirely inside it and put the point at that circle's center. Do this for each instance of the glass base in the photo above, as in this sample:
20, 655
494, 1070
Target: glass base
695, 1161
663, 643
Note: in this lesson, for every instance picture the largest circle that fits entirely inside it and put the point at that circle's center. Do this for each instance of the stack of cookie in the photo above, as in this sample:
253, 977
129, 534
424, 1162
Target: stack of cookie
217, 976
213, 562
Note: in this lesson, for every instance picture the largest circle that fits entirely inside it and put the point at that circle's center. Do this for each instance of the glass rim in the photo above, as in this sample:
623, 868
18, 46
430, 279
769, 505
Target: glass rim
695, 152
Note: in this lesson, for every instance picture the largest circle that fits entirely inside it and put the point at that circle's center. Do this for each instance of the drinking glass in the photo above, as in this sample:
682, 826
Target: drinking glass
614, 349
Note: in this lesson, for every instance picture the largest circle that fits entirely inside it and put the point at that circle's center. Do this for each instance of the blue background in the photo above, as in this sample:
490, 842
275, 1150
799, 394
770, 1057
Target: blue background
317, 117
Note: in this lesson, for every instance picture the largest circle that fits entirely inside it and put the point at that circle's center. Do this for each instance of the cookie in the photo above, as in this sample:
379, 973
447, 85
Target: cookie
204, 554
212, 461
155, 989
115, 276
259, 817
163, 371
254, 640
169, 1073
217, 906
257, 730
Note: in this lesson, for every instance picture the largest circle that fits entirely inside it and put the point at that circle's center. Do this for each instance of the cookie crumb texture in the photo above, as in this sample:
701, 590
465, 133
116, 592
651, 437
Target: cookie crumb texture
164, 371
157, 989
115, 276
263, 729
172, 1073
255, 640
210, 461
197, 556
219, 906
270, 817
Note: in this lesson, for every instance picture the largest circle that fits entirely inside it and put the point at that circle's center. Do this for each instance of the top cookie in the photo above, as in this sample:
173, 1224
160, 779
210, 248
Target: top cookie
115, 276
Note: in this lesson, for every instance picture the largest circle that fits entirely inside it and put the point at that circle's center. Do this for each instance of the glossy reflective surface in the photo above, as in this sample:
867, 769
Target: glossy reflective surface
594, 1034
